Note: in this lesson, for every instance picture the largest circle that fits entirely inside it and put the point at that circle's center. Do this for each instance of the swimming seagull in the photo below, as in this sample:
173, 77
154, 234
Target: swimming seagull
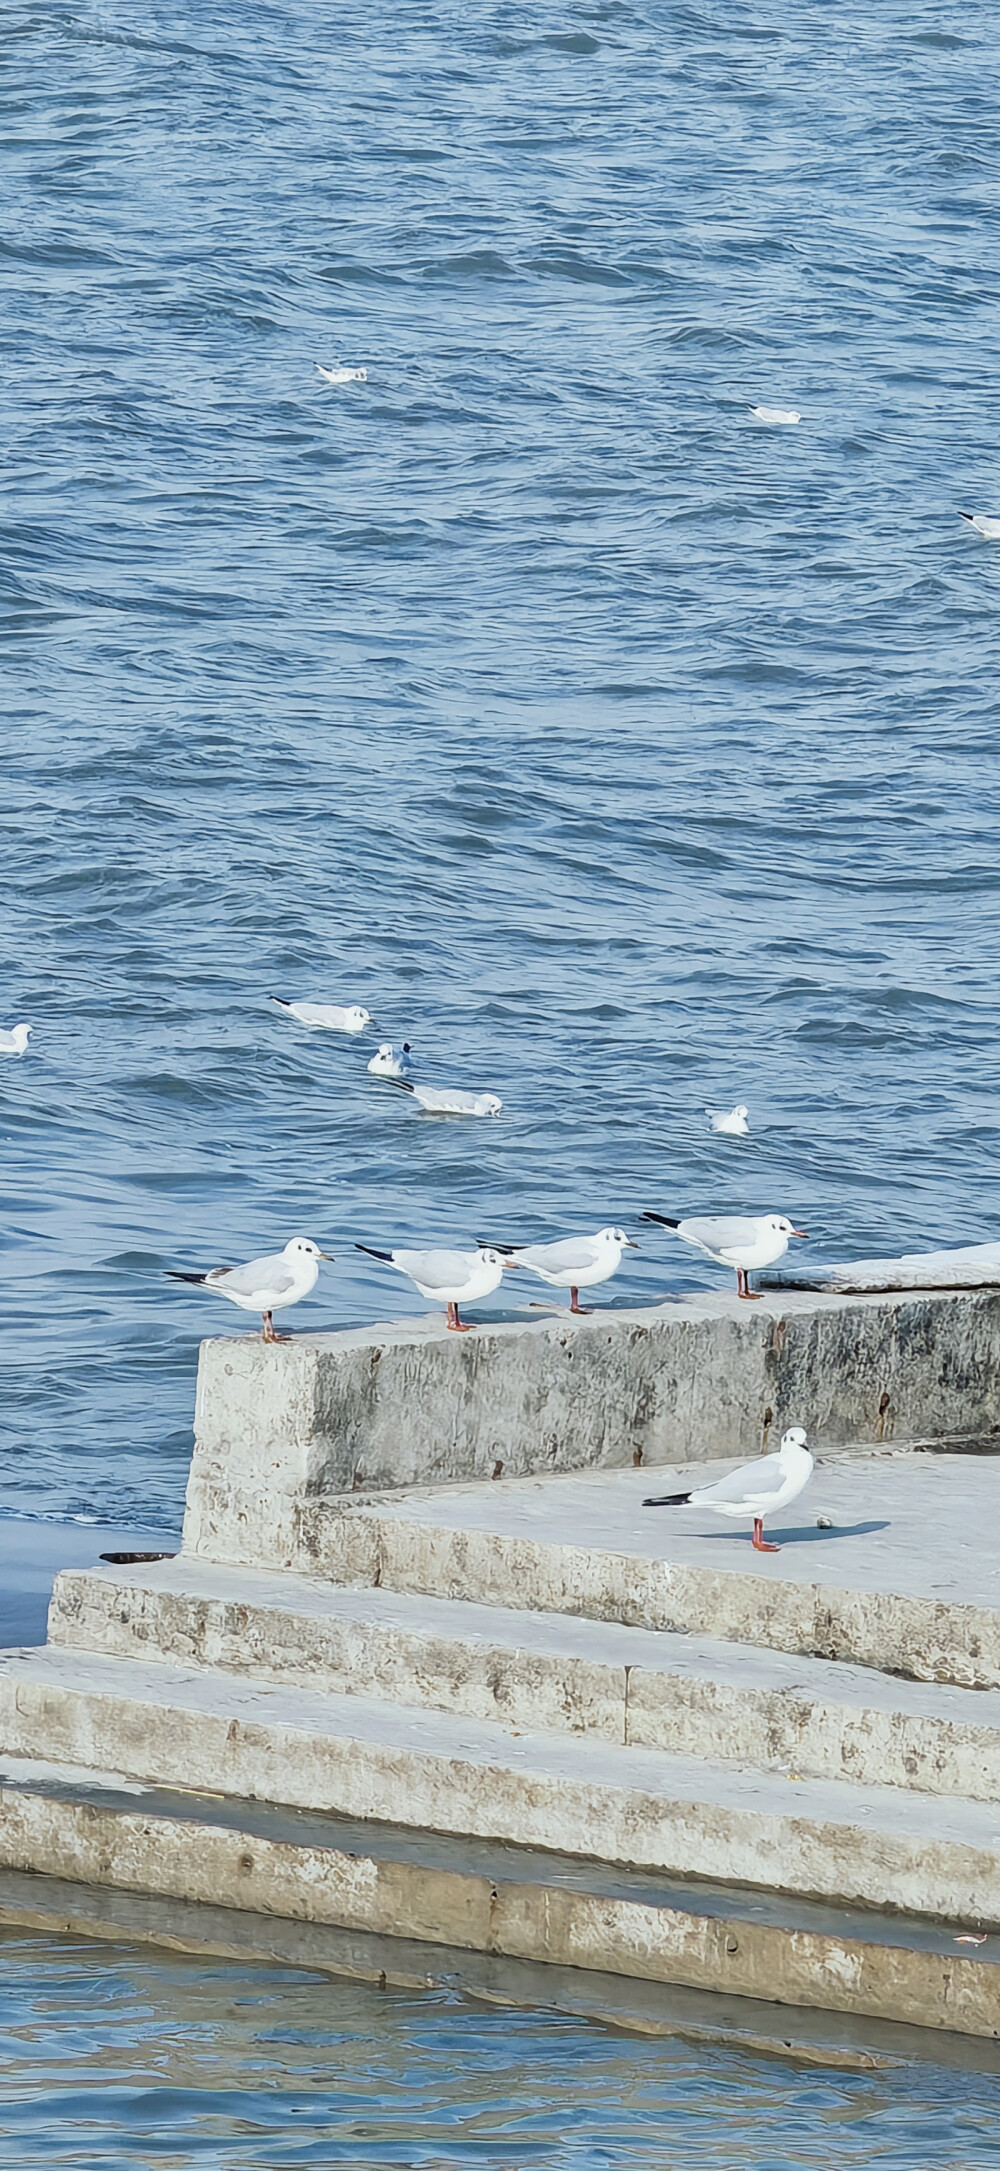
385, 1063
338, 375
986, 527
776, 415
734, 1125
14, 1042
447, 1277
452, 1101
579, 1262
266, 1285
760, 1488
744, 1241
327, 1017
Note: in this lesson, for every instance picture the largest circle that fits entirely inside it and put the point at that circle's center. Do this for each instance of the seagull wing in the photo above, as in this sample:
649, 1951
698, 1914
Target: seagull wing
436, 1269
576, 1252
272, 1274
719, 1233
752, 1481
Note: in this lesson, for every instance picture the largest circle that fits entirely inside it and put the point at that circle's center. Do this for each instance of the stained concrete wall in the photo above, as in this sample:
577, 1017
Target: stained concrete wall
321, 1416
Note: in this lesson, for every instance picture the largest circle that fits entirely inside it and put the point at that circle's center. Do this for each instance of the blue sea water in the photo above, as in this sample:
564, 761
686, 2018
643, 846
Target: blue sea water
622, 754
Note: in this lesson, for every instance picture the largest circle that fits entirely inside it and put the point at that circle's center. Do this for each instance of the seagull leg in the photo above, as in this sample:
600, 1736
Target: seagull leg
760, 1544
575, 1304
457, 1325
267, 1333
743, 1288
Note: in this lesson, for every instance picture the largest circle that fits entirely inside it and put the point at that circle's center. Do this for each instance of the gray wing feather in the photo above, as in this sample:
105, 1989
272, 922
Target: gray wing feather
748, 1483
436, 1269
719, 1232
272, 1274
576, 1251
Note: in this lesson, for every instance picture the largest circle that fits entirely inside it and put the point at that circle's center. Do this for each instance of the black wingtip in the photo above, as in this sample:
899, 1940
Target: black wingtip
967, 516
284, 1000
373, 1254
663, 1219
668, 1500
198, 1279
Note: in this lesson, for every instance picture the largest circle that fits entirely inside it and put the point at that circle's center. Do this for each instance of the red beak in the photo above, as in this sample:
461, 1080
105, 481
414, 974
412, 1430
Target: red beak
800, 1232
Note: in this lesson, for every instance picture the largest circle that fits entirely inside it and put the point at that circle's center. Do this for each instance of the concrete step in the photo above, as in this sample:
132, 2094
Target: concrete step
105, 1855
900, 1582
848, 1843
690, 1695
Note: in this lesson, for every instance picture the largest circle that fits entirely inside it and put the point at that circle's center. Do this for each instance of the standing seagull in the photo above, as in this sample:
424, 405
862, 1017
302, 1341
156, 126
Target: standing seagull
447, 1277
266, 1285
744, 1241
14, 1042
327, 1017
579, 1262
757, 1489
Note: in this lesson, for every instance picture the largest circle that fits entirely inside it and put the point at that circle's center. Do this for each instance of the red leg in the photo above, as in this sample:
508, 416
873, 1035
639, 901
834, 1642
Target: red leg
267, 1330
454, 1321
760, 1544
574, 1302
743, 1288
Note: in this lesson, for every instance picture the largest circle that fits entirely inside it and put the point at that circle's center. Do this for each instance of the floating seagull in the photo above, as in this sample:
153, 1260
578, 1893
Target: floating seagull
986, 527
14, 1042
740, 1240
385, 1063
757, 1489
327, 1017
266, 1285
776, 414
451, 1101
447, 1277
734, 1125
579, 1262
338, 375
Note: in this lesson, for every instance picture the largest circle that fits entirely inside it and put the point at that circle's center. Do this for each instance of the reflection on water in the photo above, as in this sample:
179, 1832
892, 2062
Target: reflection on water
117, 2057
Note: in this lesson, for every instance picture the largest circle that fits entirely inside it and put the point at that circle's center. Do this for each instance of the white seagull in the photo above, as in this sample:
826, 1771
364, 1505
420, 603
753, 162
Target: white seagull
579, 1262
16, 1041
988, 528
452, 1101
734, 1125
339, 375
385, 1063
447, 1277
266, 1285
757, 1489
744, 1241
327, 1017
777, 415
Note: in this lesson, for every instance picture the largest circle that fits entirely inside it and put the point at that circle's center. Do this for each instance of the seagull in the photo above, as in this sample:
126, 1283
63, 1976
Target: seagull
16, 1041
740, 1240
451, 1101
385, 1063
577, 1263
757, 1489
338, 375
776, 414
734, 1125
266, 1285
447, 1277
986, 527
327, 1017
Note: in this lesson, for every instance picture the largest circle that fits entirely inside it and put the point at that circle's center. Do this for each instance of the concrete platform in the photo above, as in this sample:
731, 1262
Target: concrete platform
506, 1904
692, 1695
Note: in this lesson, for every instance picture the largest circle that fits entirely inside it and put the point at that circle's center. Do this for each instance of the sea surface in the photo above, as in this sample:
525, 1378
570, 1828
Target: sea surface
623, 754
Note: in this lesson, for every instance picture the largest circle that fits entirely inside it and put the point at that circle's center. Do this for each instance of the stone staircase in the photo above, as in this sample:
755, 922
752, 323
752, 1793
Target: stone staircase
496, 1720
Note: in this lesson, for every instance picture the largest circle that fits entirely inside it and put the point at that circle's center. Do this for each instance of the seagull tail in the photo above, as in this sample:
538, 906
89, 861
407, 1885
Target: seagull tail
668, 1500
372, 1254
967, 516
284, 1000
663, 1219
403, 1083
199, 1279
489, 1243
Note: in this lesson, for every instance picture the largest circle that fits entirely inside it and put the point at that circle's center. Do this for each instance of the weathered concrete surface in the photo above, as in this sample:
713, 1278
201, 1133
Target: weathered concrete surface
529, 1908
902, 1582
968, 1266
861, 1845
279, 1428
843, 2042
690, 1695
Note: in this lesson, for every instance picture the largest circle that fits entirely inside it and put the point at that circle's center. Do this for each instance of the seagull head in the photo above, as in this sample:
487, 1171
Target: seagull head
489, 1104
19, 1035
489, 1257
793, 1441
783, 1227
741, 1111
357, 1018
616, 1236
302, 1247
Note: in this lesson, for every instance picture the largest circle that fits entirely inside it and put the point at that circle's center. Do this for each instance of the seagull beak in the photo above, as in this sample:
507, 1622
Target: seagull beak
800, 1232
328, 1256
630, 1246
